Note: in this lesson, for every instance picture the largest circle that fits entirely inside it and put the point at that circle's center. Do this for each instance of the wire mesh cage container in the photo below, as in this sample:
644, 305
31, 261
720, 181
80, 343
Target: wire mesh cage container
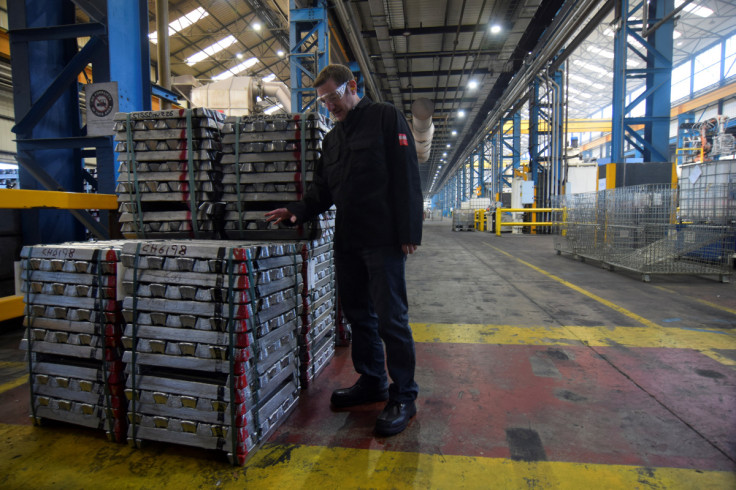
578, 231
653, 229
463, 220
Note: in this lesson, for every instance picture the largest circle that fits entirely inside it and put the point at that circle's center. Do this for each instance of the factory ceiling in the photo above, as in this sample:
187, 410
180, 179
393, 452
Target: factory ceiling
461, 54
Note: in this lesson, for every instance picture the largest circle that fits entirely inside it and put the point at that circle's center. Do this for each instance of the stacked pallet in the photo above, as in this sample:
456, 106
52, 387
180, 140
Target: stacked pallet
169, 180
73, 336
268, 161
211, 341
317, 335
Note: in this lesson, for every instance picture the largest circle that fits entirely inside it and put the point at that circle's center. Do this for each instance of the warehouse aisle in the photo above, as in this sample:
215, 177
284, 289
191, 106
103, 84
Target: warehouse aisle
535, 370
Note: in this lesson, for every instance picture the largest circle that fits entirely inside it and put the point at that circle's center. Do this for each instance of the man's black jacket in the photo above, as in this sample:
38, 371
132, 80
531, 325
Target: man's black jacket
369, 171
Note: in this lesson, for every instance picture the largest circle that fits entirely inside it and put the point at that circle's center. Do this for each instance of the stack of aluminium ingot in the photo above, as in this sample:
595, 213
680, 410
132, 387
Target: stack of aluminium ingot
211, 341
317, 335
73, 334
169, 180
268, 161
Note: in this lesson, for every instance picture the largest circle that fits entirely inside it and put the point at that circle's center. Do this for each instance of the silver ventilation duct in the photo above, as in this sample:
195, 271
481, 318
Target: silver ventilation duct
422, 127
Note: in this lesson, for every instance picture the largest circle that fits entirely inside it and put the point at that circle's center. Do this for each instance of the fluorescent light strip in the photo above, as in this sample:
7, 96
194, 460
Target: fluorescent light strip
236, 69
181, 23
211, 50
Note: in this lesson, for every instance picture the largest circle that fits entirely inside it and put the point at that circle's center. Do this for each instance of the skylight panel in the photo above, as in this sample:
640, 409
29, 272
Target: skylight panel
236, 69
181, 23
211, 50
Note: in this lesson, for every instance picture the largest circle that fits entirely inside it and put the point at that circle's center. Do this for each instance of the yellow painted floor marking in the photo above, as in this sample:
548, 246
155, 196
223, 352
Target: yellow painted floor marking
582, 291
674, 338
708, 303
12, 364
13, 384
714, 305
15, 371
36, 457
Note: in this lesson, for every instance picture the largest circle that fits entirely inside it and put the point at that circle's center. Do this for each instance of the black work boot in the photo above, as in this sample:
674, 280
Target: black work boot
358, 394
395, 417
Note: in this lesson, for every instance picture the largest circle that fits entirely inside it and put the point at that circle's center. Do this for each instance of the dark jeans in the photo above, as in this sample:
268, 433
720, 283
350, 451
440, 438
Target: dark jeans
372, 291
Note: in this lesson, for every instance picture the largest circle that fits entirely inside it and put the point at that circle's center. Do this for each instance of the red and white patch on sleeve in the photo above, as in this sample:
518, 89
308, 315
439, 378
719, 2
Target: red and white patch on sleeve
402, 140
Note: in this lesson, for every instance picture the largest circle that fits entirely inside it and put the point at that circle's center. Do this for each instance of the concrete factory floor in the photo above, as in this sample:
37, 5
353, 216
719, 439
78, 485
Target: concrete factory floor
535, 371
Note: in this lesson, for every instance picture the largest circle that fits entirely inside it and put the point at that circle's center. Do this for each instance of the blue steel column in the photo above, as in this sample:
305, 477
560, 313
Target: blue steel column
653, 142
481, 168
458, 182
510, 148
659, 84
309, 53
497, 162
129, 66
464, 182
51, 141
35, 66
472, 176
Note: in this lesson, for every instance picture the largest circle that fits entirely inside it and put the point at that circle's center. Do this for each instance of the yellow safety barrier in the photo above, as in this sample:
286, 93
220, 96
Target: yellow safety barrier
481, 222
11, 307
25, 199
534, 211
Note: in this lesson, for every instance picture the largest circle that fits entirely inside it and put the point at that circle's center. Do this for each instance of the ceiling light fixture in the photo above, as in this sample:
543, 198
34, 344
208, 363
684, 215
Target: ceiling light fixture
461, 113
495, 29
280, 53
472, 85
256, 26
454, 133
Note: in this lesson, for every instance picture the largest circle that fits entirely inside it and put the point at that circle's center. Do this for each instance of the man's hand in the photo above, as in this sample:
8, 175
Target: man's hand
408, 248
279, 215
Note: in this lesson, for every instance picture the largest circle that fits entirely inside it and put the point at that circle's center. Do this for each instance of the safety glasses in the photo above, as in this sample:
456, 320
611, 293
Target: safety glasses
333, 97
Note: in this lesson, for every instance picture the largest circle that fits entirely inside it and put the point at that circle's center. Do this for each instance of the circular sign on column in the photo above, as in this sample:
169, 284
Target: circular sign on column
101, 103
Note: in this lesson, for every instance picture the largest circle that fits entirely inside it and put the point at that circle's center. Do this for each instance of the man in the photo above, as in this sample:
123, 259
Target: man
369, 170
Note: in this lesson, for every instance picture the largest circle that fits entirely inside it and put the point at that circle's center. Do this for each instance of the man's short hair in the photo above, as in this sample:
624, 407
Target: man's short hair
337, 73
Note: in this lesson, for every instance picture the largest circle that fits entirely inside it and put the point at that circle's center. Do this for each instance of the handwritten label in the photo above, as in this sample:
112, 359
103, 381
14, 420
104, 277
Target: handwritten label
58, 253
163, 249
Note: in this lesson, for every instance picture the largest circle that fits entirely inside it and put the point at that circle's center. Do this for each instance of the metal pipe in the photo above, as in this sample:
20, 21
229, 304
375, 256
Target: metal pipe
422, 127
275, 89
556, 111
162, 48
347, 22
645, 32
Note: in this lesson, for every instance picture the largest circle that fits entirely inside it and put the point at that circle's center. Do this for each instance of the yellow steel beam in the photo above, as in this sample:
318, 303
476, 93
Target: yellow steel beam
573, 126
4, 44
24, 199
704, 100
11, 307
